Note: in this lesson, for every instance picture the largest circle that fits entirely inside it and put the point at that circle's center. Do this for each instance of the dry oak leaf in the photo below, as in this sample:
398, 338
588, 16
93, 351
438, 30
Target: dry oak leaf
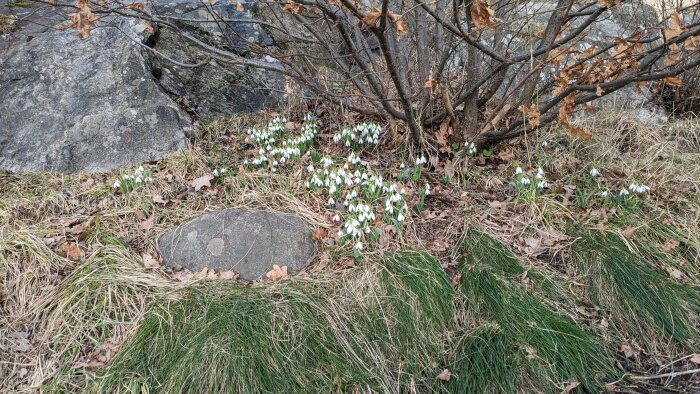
430, 83
158, 199
293, 8
443, 137
695, 359
277, 272
398, 23
71, 250
576, 131
532, 114
482, 15
149, 261
371, 18
147, 224
229, 275
202, 181
691, 43
149, 28
629, 231
675, 26
319, 234
598, 91
445, 375
83, 20
673, 81
670, 245
239, 6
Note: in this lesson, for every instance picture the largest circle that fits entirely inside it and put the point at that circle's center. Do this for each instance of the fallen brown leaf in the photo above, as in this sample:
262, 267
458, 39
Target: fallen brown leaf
158, 199
202, 181
277, 272
445, 375
149, 261
319, 234
147, 224
228, 275
71, 251
670, 245
629, 231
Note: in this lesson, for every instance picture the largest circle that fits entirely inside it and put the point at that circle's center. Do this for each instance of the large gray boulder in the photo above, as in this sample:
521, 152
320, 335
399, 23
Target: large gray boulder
70, 104
247, 242
214, 89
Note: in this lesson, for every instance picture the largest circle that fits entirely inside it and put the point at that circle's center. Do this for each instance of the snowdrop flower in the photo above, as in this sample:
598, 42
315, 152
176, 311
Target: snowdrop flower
140, 169
427, 189
330, 202
594, 172
624, 192
215, 172
542, 184
149, 179
525, 181
336, 218
402, 166
544, 144
139, 180
358, 246
604, 194
518, 171
540, 174
639, 189
421, 160
400, 218
117, 185
471, 148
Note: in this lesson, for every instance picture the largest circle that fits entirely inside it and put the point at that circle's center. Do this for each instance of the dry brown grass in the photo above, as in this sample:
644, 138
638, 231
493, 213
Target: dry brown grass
46, 296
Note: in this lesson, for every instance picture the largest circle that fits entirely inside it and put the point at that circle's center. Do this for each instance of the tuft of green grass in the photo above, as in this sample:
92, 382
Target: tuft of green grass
520, 342
371, 330
639, 298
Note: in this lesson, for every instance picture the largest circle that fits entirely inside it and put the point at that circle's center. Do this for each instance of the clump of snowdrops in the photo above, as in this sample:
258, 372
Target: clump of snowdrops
278, 145
129, 182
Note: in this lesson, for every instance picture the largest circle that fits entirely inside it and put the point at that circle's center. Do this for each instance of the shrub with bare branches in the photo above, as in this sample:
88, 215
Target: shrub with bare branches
451, 70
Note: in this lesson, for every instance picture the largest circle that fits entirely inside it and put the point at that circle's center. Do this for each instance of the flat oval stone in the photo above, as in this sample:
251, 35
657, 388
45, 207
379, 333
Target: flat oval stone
248, 242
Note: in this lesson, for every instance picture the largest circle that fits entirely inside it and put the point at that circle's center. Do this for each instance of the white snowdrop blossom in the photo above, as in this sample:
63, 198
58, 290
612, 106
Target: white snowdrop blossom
363, 194
277, 145
471, 148
129, 182
604, 194
624, 192
402, 166
594, 172
525, 181
518, 170
545, 144
421, 160
542, 185
427, 189
358, 135
539, 174
637, 188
